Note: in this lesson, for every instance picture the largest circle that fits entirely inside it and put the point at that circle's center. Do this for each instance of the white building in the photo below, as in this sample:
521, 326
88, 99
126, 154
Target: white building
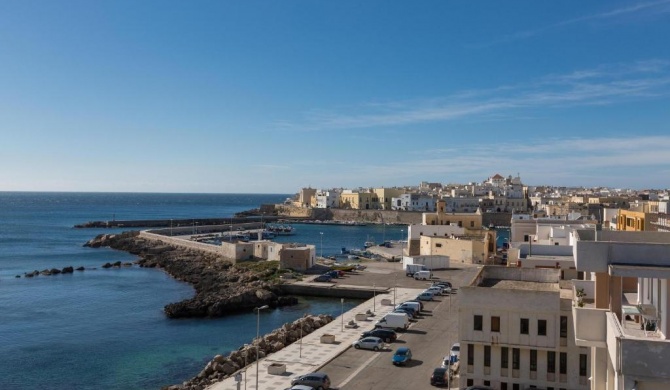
516, 332
413, 202
622, 312
327, 199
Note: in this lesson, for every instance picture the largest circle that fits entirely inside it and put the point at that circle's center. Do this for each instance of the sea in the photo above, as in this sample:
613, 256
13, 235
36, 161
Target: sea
105, 328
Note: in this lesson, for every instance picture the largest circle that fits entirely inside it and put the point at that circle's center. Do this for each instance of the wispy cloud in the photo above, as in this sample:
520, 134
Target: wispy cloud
573, 161
607, 84
640, 9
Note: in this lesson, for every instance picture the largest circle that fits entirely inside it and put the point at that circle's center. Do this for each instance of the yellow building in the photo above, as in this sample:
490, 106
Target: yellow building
466, 220
384, 195
364, 200
629, 220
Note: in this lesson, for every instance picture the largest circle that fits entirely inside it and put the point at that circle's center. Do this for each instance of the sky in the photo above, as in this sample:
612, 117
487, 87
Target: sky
272, 96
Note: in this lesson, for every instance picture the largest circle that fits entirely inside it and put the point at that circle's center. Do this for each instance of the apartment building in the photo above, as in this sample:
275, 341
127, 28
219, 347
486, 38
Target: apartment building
516, 332
413, 202
385, 196
621, 313
440, 217
359, 200
327, 199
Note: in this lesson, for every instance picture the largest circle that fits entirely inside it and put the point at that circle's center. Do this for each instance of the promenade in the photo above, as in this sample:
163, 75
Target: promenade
309, 354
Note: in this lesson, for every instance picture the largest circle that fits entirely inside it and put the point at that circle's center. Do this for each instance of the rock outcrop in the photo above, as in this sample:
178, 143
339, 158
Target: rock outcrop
221, 367
221, 288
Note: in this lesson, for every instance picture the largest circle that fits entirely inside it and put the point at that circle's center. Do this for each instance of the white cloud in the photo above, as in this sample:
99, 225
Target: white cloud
604, 85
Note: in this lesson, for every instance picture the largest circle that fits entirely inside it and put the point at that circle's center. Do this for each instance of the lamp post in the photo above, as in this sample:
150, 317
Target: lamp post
342, 315
321, 233
246, 352
170, 227
395, 286
374, 297
301, 339
258, 328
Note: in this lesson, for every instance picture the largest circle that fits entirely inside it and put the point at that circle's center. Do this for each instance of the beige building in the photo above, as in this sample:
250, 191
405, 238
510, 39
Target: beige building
384, 196
516, 332
440, 217
296, 256
307, 197
359, 200
622, 312
477, 248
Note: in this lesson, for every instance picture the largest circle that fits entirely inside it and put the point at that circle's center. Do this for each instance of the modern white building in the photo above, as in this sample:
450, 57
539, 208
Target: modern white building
622, 312
516, 332
413, 202
327, 199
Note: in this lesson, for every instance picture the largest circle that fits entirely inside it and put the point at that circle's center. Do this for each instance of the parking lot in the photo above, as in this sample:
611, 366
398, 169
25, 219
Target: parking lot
429, 337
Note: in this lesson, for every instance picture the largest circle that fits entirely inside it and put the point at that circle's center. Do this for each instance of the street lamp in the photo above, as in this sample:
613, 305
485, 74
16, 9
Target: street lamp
374, 297
342, 315
395, 286
258, 327
321, 233
170, 227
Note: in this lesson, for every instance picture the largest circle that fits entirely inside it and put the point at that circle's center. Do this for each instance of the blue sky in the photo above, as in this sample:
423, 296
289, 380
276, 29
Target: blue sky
271, 96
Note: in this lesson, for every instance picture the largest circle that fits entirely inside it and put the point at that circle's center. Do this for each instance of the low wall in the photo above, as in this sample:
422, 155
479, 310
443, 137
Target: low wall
327, 291
180, 242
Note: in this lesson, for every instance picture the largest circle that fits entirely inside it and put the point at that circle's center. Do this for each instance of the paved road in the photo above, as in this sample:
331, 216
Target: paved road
429, 338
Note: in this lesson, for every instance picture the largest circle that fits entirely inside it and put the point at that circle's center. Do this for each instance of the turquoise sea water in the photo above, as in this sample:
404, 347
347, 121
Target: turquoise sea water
105, 329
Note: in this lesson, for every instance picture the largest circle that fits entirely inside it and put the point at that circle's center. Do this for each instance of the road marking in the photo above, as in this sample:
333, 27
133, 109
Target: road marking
353, 374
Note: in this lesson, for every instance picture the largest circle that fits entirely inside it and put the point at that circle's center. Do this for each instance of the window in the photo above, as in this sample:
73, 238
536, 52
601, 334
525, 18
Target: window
564, 363
472, 223
515, 386
541, 327
495, 324
524, 326
533, 359
504, 357
470, 382
516, 357
503, 385
471, 354
582, 364
487, 383
564, 326
551, 362
487, 356
438, 245
478, 322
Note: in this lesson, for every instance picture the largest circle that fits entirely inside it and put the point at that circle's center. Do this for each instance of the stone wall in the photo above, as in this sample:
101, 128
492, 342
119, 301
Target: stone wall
180, 242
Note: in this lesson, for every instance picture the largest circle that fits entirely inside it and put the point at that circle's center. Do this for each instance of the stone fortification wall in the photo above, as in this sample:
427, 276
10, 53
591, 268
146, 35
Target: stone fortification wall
293, 212
377, 216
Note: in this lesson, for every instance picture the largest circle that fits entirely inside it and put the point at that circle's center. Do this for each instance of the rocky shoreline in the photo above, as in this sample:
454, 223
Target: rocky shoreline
221, 288
222, 367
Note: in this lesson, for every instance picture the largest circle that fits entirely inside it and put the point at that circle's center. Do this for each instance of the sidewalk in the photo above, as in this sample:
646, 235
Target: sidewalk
310, 354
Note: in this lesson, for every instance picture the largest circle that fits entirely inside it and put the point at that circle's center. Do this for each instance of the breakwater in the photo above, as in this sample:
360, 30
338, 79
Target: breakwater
186, 224
221, 287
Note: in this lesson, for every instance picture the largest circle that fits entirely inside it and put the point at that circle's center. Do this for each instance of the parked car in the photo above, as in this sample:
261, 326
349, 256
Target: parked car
401, 356
417, 301
479, 387
455, 351
317, 380
387, 335
333, 274
373, 343
425, 296
423, 275
323, 278
435, 290
413, 306
449, 360
446, 286
440, 377
300, 387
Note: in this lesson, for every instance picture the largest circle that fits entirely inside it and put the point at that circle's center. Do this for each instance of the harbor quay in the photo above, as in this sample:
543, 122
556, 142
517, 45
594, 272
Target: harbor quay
429, 336
316, 349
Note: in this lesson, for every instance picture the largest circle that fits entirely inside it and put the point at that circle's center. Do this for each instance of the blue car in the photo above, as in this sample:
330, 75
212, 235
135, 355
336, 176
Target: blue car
401, 356
323, 278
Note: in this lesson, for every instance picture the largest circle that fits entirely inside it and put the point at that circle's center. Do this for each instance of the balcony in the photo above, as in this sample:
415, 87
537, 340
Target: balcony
644, 356
589, 323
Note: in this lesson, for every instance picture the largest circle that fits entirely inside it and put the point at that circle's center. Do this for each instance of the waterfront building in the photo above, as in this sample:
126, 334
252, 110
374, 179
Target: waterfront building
307, 197
473, 247
413, 202
327, 199
622, 311
515, 331
359, 200
385, 196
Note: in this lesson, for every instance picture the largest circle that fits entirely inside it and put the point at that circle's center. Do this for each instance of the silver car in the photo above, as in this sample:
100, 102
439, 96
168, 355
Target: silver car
373, 343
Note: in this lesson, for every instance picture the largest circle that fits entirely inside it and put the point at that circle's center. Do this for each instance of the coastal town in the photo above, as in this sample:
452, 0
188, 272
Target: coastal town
496, 284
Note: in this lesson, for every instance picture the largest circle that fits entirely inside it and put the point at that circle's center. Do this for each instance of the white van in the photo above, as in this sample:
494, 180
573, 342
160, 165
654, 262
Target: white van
411, 269
423, 275
396, 321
